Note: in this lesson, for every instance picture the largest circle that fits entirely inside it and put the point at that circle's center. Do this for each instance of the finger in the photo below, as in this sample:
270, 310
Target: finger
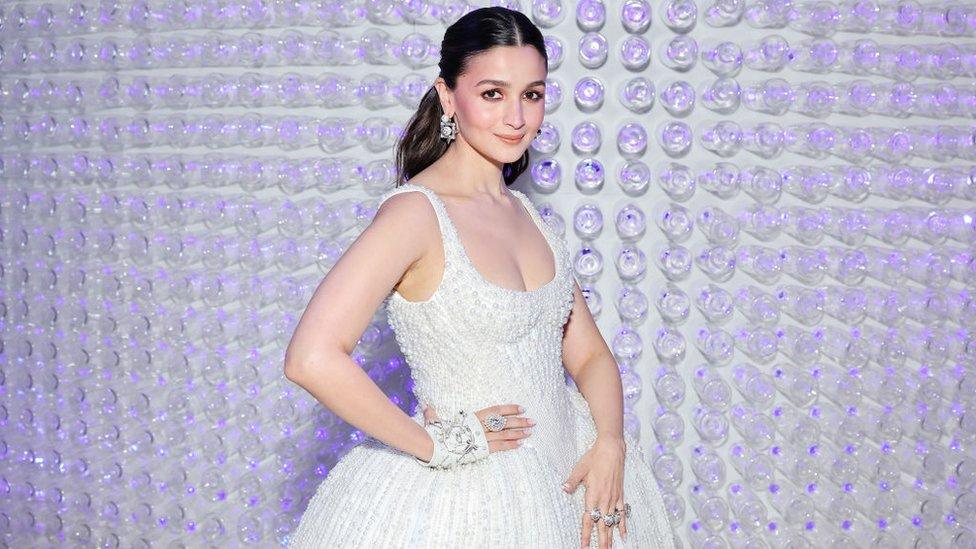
503, 409
500, 409
623, 518
501, 445
508, 434
587, 528
575, 477
511, 422
622, 524
601, 530
589, 496
518, 422
609, 529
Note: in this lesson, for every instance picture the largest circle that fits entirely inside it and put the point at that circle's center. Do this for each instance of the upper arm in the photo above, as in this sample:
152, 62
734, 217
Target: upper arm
345, 300
582, 340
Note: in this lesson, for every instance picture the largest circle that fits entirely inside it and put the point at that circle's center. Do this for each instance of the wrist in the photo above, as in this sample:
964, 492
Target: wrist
426, 446
611, 439
455, 441
615, 438
428, 453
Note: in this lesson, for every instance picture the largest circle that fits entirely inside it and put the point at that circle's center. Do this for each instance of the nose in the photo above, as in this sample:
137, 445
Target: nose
514, 116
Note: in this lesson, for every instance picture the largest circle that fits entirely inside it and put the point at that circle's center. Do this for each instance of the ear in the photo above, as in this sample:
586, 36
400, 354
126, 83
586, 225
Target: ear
445, 95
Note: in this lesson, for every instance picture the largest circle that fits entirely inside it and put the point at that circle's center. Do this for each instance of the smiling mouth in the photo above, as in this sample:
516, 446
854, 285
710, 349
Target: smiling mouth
511, 139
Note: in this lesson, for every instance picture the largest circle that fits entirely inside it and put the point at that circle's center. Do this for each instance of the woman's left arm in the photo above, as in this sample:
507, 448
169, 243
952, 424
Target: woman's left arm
594, 370
601, 469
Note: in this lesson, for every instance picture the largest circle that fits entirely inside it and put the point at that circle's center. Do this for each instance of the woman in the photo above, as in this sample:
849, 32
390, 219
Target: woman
482, 300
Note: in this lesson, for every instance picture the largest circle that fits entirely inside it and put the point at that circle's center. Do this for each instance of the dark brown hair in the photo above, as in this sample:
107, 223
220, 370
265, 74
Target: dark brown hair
476, 32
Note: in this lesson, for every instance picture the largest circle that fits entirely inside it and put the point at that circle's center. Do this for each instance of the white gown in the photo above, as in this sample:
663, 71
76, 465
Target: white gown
475, 344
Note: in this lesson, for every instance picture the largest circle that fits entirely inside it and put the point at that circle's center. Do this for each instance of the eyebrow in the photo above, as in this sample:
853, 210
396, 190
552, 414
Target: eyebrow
504, 84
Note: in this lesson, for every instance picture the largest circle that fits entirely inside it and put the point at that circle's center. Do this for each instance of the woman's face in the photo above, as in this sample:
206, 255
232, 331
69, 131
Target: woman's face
500, 94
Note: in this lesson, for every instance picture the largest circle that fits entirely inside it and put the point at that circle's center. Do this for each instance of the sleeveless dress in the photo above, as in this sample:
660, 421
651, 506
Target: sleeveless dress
474, 344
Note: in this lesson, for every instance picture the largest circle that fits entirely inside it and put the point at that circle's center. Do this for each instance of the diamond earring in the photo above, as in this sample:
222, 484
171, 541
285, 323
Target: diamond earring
448, 128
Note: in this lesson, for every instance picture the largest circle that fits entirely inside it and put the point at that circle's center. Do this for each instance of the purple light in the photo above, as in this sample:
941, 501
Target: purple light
590, 15
589, 93
635, 53
593, 50
635, 15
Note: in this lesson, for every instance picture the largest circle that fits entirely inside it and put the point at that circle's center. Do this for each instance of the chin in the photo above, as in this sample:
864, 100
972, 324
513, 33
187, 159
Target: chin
510, 154
509, 158
505, 155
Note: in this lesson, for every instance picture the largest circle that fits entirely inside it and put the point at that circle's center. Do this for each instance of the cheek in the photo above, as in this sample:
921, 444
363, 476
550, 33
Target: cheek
479, 117
536, 114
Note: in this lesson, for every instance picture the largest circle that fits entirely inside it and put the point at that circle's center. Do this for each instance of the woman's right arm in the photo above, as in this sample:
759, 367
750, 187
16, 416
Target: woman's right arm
318, 355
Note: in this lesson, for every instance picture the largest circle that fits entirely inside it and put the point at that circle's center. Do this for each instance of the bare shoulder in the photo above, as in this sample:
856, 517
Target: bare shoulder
406, 209
408, 217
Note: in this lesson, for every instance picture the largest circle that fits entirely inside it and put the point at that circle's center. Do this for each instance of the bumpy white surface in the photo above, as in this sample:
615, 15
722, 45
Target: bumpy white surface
475, 344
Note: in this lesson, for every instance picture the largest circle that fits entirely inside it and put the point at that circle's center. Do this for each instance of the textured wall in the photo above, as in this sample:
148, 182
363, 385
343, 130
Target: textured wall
771, 206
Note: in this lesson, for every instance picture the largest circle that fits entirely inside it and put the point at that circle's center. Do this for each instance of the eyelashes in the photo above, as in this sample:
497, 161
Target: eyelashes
539, 96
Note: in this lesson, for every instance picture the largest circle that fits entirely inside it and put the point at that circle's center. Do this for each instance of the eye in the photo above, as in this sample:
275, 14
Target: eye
489, 91
538, 95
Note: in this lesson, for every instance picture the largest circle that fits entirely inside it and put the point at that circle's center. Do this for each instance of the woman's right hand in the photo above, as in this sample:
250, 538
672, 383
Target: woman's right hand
517, 428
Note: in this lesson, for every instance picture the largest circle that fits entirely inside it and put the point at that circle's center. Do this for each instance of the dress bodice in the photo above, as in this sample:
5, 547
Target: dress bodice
475, 344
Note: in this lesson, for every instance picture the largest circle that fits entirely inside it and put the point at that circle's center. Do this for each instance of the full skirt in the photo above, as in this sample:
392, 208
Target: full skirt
378, 496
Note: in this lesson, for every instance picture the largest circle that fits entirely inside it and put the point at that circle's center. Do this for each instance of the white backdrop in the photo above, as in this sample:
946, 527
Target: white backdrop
176, 178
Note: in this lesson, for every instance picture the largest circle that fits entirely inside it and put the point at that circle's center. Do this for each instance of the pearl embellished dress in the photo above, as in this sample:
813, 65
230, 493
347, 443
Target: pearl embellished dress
475, 344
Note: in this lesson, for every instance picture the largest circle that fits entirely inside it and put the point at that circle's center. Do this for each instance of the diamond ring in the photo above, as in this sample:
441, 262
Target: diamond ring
495, 422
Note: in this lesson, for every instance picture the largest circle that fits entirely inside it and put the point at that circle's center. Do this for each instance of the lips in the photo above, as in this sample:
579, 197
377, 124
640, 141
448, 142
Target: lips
511, 138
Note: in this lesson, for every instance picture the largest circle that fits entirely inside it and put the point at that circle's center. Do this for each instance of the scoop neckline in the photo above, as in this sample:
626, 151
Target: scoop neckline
536, 220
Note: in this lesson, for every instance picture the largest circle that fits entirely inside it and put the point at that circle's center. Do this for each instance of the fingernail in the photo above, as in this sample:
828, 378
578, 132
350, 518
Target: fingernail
521, 409
528, 429
531, 422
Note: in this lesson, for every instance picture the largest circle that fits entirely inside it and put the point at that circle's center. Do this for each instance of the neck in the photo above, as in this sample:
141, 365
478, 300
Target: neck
471, 173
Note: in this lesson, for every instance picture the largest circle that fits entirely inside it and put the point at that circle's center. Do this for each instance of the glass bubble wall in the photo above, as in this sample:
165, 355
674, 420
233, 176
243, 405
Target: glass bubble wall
770, 204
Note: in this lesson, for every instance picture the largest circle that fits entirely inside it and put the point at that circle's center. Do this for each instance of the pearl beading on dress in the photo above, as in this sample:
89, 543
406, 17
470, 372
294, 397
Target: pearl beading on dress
471, 345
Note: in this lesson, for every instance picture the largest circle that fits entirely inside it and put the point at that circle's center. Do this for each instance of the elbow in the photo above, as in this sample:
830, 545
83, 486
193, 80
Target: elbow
291, 371
298, 364
291, 374
294, 366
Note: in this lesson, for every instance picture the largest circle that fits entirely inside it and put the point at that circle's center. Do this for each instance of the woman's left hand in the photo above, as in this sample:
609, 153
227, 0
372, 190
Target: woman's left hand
601, 470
